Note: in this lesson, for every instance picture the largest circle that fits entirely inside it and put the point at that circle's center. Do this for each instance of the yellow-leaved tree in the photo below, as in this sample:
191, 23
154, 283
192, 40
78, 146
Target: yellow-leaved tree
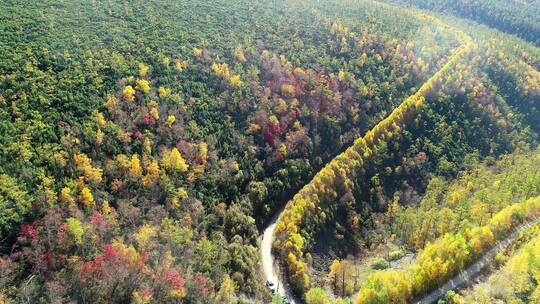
86, 198
128, 94
173, 161
135, 169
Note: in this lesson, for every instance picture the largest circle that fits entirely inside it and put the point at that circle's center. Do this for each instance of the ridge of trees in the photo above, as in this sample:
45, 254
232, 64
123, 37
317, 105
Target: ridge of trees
334, 180
523, 82
444, 258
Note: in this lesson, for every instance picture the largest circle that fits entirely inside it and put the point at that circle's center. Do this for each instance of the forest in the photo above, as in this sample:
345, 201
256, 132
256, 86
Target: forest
149, 150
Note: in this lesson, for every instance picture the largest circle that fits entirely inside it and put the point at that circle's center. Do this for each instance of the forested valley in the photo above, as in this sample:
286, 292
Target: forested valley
149, 150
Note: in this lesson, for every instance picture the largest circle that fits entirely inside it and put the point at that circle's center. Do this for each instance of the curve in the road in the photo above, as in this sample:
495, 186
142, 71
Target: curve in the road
470, 272
270, 268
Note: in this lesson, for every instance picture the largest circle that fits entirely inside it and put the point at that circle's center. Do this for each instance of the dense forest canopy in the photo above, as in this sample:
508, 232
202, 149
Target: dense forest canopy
146, 146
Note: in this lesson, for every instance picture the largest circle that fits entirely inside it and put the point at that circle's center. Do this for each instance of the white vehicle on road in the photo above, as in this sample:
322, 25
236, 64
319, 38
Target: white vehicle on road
271, 273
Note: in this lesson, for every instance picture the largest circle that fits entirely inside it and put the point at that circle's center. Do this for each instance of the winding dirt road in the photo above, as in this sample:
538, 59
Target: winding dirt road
270, 267
465, 276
